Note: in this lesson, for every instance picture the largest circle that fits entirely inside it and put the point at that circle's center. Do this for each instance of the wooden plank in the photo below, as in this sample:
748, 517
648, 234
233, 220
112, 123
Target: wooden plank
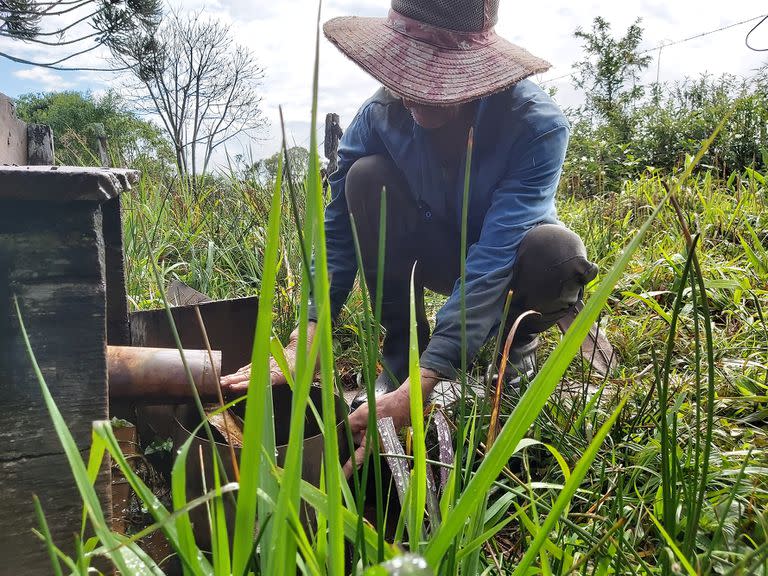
118, 333
49, 478
52, 259
13, 134
64, 183
60, 244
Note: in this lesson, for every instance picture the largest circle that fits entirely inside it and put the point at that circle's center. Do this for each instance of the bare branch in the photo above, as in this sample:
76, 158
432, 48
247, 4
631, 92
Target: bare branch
202, 86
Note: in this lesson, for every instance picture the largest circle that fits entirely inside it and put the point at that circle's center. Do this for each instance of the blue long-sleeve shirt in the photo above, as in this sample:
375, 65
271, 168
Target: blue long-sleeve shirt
520, 139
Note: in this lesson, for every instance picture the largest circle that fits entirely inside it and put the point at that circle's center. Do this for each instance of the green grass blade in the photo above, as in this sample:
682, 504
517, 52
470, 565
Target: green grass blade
95, 458
569, 489
418, 484
475, 544
268, 484
718, 535
68, 562
259, 386
669, 441
289, 496
188, 553
46, 534
186, 540
673, 546
532, 402
371, 350
321, 291
470, 563
171, 518
320, 501
222, 561
710, 348
283, 537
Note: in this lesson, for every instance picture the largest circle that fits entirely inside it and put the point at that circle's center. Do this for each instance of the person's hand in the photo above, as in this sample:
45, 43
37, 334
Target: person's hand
237, 383
395, 405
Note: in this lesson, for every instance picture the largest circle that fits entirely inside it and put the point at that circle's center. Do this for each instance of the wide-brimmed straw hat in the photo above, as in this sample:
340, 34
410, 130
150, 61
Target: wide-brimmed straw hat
435, 52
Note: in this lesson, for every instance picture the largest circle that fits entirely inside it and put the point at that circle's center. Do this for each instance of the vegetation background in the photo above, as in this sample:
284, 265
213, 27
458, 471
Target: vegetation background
674, 482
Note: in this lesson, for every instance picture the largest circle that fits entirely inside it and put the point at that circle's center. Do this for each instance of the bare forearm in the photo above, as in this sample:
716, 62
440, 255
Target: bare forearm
311, 329
429, 379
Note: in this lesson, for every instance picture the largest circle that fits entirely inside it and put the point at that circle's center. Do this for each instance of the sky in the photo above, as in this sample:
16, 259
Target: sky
281, 35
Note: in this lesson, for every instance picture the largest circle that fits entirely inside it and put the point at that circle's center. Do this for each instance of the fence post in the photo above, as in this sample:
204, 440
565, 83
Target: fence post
20, 143
39, 145
333, 133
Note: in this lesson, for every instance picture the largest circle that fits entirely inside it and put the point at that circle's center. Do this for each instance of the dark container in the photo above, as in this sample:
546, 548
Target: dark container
312, 456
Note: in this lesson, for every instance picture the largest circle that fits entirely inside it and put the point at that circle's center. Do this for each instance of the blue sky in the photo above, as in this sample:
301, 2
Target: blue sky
281, 35
19, 79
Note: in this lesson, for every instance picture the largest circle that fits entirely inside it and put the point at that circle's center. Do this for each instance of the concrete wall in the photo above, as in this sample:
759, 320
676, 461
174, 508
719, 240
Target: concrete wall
13, 134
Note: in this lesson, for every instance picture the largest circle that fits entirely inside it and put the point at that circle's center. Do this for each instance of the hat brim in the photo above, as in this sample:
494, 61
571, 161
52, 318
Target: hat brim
427, 74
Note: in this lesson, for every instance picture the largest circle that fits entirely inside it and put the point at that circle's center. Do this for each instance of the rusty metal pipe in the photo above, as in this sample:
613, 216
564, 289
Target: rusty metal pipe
157, 375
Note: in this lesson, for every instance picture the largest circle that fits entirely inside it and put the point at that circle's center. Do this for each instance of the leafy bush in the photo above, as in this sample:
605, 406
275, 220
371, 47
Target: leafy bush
667, 125
79, 120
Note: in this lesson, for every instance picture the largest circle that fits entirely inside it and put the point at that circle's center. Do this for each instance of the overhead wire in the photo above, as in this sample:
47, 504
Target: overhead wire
702, 34
761, 17
755, 27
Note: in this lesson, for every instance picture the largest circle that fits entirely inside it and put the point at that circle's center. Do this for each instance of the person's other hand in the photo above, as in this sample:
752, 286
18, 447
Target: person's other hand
237, 383
395, 404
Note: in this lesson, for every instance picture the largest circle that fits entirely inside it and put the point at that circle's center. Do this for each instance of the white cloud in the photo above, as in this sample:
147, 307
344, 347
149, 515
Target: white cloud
44, 78
282, 37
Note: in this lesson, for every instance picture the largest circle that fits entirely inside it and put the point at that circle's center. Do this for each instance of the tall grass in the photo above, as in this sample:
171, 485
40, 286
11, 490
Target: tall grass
659, 468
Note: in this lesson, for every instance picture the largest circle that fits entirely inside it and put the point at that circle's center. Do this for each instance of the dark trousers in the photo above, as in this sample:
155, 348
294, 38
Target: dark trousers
550, 271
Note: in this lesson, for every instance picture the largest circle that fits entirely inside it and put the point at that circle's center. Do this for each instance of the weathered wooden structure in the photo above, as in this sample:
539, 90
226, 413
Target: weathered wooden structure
60, 255
21, 143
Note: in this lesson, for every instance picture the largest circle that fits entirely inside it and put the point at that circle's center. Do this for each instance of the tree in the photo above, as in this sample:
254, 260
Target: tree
610, 70
264, 172
76, 27
201, 85
80, 120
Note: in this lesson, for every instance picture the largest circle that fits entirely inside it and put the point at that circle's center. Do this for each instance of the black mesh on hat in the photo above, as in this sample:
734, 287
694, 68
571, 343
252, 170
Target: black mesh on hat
462, 15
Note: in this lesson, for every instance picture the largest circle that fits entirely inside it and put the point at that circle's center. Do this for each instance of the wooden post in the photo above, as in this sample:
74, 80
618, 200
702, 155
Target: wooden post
52, 258
333, 134
20, 143
39, 145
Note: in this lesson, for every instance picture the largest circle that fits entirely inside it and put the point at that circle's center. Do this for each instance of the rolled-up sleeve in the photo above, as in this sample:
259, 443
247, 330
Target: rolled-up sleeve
522, 199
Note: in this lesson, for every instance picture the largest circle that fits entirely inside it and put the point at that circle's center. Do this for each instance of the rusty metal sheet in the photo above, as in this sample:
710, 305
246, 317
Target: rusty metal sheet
230, 325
